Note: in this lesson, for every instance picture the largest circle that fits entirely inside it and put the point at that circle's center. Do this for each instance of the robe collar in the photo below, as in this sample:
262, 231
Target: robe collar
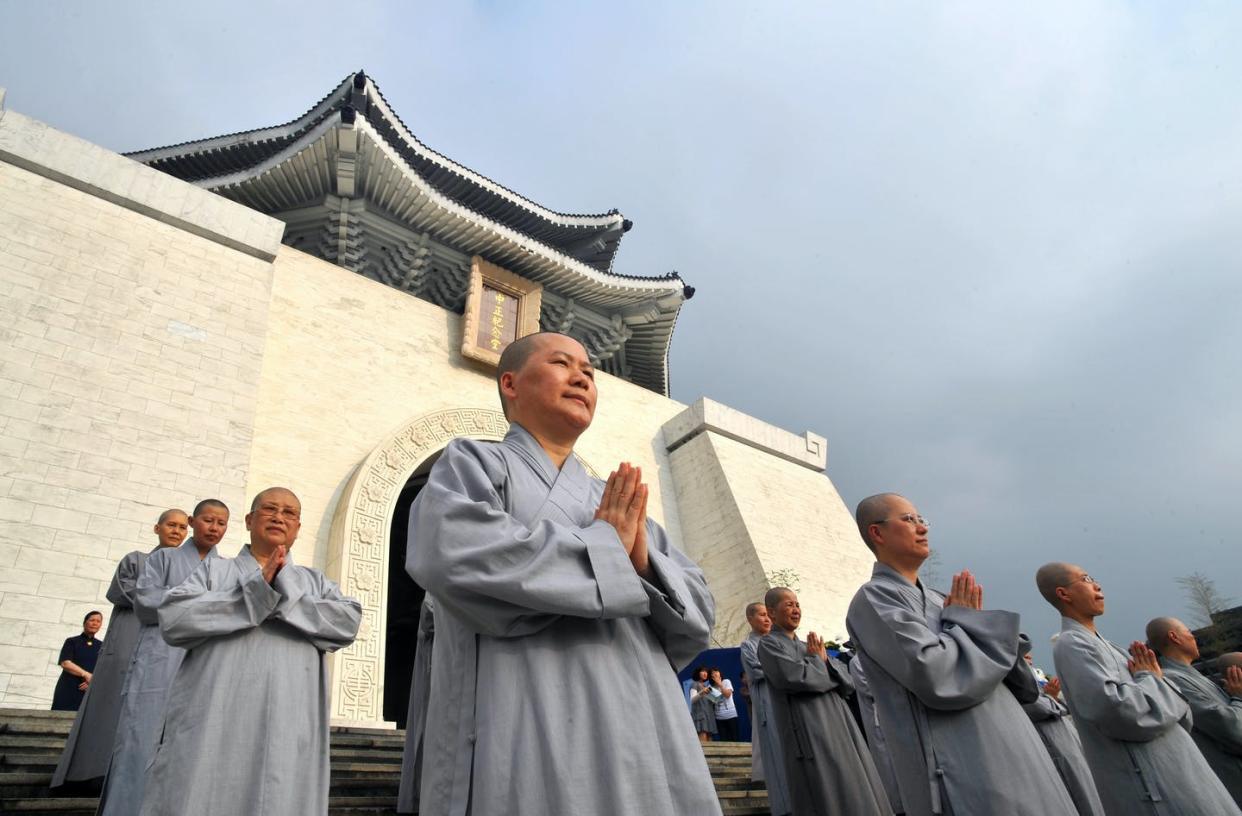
572, 476
882, 570
1189, 672
188, 546
1069, 624
246, 560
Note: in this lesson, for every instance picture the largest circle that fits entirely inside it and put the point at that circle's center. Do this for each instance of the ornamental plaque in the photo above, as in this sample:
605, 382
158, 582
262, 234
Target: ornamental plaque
500, 308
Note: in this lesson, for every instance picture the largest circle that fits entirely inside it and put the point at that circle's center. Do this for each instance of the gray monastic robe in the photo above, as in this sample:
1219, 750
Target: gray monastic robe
151, 672
944, 681
1135, 732
88, 750
416, 718
553, 675
1055, 727
827, 764
875, 735
1217, 722
768, 763
246, 729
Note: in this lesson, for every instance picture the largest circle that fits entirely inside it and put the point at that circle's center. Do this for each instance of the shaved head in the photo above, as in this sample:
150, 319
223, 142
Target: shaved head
1158, 630
515, 356
752, 608
172, 511
205, 503
1229, 659
263, 494
1050, 578
774, 595
872, 510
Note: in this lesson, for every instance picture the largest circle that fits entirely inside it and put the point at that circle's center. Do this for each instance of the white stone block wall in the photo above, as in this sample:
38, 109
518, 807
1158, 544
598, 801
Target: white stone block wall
349, 360
129, 363
753, 503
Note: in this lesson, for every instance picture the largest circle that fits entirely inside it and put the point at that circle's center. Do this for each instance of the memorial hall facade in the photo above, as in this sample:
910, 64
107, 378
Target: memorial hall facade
319, 305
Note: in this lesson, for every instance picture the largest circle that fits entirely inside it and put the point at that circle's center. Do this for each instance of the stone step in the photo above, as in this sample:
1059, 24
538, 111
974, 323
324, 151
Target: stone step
9, 742
365, 762
354, 806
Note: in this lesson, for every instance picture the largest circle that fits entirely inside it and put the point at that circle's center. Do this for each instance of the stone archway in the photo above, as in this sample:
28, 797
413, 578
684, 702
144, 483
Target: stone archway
358, 546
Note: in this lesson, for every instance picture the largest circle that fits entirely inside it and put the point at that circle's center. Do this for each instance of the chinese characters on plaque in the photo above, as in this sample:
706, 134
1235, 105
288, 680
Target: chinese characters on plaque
500, 308
498, 319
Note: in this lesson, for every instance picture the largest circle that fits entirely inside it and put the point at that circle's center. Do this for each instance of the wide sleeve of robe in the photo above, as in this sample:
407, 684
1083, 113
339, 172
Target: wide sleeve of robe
1043, 707
1220, 720
194, 611
124, 584
1136, 710
750, 661
505, 580
314, 605
1021, 680
152, 587
681, 607
953, 669
794, 673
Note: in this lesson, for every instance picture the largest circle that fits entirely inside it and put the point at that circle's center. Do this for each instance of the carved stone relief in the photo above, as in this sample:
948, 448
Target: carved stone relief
358, 546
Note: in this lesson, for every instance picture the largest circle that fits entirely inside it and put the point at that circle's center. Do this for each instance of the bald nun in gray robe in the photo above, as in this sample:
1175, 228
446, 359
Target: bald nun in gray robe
941, 678
553, 675
1135, 731
88, 750
875, 735
1217, 722
416, 716
1055, 727
767, 761
151, 672
246, 729
827, 764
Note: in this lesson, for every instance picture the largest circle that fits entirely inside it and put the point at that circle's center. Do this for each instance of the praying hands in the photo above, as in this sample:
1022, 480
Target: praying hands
624, 506
965, 592
1143, 659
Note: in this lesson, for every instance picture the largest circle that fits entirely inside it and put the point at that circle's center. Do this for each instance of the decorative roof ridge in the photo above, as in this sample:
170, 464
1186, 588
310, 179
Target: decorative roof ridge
340, 94
306, 121
605, 278
611, 216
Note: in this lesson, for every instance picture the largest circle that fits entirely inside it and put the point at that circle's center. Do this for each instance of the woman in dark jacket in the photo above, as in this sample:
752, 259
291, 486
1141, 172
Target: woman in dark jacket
77, 661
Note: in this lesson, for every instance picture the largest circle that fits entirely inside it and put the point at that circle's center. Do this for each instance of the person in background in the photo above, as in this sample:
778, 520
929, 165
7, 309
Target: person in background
767, 764
155, 662
1216, 712
1133, 724
726, 710
1055, 726
945, 672
77, 662
702, 706
88, 749
828, 767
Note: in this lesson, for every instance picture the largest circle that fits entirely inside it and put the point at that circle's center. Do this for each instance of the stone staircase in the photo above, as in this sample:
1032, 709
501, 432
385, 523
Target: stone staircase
366, 769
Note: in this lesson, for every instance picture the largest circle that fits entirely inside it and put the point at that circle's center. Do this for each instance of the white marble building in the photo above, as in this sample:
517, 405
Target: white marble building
284, 306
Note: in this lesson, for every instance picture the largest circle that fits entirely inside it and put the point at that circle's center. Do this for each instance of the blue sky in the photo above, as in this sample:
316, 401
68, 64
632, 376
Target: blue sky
991, 253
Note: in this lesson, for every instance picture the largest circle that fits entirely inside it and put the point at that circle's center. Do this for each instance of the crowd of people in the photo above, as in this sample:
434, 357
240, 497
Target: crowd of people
211, 695
556, 616
954, 717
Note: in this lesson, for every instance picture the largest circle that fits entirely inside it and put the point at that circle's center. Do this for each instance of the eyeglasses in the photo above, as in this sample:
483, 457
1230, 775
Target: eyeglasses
1082, 579
909, 518
272, 511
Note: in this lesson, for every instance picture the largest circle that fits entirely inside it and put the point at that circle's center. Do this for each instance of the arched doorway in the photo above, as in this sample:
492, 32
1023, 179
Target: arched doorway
361, 561
404, 601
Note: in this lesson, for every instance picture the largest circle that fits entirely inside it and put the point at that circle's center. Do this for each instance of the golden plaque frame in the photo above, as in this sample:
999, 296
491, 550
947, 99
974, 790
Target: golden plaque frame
491, 322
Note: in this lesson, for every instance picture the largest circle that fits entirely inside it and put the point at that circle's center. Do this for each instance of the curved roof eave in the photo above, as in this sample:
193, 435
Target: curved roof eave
342, 95
556, 268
